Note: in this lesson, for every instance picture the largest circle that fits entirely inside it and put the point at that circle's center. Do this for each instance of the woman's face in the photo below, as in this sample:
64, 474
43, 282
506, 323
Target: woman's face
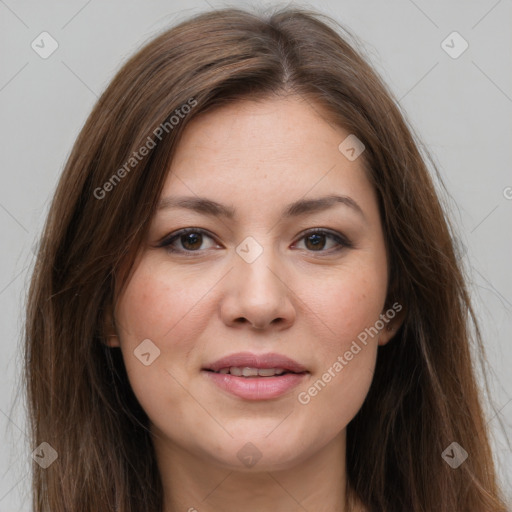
253, 278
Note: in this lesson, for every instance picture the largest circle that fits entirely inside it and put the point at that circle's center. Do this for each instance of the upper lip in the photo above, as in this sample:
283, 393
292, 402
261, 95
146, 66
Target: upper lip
250, 360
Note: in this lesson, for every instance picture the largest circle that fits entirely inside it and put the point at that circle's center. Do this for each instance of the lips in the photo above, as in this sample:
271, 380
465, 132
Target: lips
256, 376
249, 372
235, 364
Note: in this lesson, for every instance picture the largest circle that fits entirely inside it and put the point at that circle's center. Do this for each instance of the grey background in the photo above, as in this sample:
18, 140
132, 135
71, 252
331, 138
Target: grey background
461, 108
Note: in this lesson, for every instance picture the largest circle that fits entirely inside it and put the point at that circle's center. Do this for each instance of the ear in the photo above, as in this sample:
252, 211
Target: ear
110, 336
393, 317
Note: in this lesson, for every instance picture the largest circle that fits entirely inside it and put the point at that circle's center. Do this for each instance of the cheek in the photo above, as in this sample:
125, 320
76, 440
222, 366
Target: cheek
174, 309
171, 311
348, 305
161, 304
346, 360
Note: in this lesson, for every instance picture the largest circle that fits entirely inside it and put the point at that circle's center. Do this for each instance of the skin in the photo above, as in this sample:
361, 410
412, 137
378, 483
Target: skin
304, 301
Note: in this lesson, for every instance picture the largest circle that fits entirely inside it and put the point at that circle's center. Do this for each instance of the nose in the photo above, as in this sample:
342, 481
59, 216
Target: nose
258, 294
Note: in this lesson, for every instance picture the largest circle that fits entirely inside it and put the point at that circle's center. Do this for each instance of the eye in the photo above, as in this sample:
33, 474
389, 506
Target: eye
190, 239
315, 240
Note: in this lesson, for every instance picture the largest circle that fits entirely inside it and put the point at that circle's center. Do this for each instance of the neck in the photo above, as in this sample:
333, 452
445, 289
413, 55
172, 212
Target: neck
192, 482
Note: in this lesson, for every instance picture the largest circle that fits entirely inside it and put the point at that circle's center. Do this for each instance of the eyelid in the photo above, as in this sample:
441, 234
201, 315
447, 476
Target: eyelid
168, 239
342, 241
340, 238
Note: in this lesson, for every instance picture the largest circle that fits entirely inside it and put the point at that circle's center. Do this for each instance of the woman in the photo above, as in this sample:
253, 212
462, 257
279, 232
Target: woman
246, 293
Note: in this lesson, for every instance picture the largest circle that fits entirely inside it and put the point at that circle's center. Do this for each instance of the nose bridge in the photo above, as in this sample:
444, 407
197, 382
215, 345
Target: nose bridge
258, 293
257, 265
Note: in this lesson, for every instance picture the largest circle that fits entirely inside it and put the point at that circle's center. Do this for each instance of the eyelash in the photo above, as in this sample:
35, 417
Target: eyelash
167, 242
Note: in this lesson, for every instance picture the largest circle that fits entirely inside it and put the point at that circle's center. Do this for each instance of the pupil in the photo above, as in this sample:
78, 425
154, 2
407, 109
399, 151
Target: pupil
317, 241
191, 238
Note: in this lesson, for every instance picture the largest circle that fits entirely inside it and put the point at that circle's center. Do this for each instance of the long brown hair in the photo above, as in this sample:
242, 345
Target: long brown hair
424, 394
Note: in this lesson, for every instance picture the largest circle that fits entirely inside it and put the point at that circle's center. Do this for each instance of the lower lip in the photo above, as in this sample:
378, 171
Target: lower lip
256, 388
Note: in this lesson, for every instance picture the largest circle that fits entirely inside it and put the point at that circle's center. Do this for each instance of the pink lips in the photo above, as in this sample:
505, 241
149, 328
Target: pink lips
248, 359
256, 388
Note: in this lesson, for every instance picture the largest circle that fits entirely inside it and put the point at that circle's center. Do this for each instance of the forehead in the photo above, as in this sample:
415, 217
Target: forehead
274, 151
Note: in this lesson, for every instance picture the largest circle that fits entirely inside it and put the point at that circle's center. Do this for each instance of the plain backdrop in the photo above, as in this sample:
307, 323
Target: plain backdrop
460, 105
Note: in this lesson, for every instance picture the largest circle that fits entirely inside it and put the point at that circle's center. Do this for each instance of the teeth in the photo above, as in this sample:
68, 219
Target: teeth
268, 372
252, 372
235, 371
249, 372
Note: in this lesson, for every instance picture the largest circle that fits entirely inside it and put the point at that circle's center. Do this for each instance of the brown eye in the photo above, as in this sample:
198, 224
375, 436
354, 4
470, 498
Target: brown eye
315, 241
186, 241
323, 241
191, 241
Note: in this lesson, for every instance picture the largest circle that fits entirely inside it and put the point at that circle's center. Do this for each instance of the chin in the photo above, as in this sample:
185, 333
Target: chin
259, 457
259, 451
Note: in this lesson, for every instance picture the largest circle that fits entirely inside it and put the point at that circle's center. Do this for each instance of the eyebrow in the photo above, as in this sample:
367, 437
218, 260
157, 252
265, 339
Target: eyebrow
295, 209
